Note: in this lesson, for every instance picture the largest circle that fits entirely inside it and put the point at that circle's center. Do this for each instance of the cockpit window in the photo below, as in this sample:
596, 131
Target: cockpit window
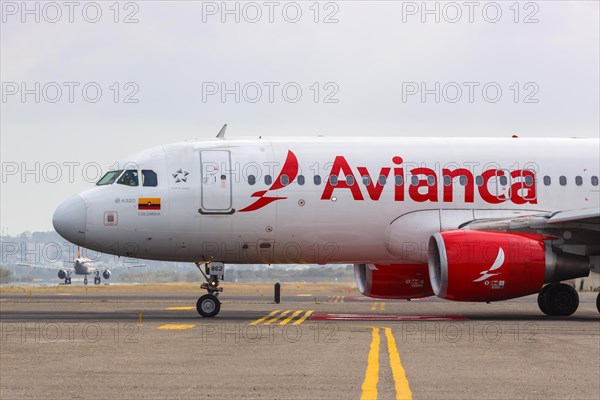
129, 178
149, 178
109, 178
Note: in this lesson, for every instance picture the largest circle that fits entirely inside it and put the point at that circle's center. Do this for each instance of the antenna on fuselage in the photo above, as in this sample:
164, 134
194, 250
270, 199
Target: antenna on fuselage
221, 134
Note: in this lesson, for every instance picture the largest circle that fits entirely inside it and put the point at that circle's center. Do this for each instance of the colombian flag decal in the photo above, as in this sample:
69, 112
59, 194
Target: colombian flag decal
149, 203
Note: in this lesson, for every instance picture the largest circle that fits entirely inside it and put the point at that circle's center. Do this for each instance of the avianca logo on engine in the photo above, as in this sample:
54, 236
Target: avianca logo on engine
485, 275
425, 189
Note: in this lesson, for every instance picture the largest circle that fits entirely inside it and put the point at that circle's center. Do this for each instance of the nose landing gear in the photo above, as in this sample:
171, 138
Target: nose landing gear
209, 304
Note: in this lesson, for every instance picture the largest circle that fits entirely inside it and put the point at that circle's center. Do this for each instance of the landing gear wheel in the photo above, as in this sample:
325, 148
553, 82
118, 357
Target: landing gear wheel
67, 281
96, 281
561, 300
85, 280
208, 305
542, 299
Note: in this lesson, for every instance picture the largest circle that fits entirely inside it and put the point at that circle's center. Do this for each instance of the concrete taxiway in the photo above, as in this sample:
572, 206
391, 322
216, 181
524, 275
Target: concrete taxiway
320, 342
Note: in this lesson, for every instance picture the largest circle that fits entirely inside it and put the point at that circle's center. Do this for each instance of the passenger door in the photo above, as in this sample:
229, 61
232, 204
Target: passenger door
216, 185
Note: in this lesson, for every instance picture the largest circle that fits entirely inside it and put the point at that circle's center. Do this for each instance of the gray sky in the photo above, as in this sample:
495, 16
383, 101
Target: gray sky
361, 73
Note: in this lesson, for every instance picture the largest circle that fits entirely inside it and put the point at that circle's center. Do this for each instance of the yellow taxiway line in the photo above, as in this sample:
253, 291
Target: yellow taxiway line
400, 382
369, 386
258, 321
291, 317
283, 314
303, 318
178, 327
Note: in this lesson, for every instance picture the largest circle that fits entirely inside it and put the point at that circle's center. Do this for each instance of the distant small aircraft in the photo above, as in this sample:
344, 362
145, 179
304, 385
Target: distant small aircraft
83, 266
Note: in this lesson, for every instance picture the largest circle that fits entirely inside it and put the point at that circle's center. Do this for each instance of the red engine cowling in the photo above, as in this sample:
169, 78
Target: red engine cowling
490, 266
395, 281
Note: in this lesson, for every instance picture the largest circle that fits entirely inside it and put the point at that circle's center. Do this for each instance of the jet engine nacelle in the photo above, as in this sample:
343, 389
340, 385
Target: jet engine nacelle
490, 266
394, 281
106, 274
62, 274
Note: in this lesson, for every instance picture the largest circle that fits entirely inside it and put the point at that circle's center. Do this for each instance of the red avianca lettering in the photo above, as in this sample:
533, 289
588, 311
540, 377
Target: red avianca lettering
520, 185
519, 188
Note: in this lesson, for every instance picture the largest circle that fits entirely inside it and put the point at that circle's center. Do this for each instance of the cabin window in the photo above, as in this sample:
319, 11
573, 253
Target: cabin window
366, 180
333, 180
447, 180
317, 179
463, 180
562, 180
300, 180
594, 181
251, 180
479, 180
547, 180
285, 180
578, 180
149, 178
129, 178
414, 180
528, 180
503, 180
399, 180
382, 180
349, 180
268, 179
109, 178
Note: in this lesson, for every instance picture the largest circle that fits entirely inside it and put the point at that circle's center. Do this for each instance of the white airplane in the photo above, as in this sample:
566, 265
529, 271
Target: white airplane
467, 219
82, 266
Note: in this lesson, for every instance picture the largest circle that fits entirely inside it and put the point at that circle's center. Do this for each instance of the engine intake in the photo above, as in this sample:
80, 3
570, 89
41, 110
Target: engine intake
106, 274
490, 266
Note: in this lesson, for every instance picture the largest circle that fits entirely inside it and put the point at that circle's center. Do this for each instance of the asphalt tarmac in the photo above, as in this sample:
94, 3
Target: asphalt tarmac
320, 342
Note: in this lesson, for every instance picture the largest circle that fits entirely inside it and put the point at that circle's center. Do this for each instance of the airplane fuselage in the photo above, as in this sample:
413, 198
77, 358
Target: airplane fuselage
325, 200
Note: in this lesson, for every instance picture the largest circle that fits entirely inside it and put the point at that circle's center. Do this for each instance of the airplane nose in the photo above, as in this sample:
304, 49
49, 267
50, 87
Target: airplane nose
69, 220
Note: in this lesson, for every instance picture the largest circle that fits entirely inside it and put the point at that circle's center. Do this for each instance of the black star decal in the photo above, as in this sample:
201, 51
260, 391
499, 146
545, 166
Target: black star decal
180, 175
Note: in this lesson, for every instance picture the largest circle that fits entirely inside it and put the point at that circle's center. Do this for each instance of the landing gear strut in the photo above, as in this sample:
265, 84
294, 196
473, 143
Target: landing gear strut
558, 299
209, 304
85, 280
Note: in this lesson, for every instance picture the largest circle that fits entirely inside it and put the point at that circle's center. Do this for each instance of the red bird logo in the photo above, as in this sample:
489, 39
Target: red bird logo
290, 168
